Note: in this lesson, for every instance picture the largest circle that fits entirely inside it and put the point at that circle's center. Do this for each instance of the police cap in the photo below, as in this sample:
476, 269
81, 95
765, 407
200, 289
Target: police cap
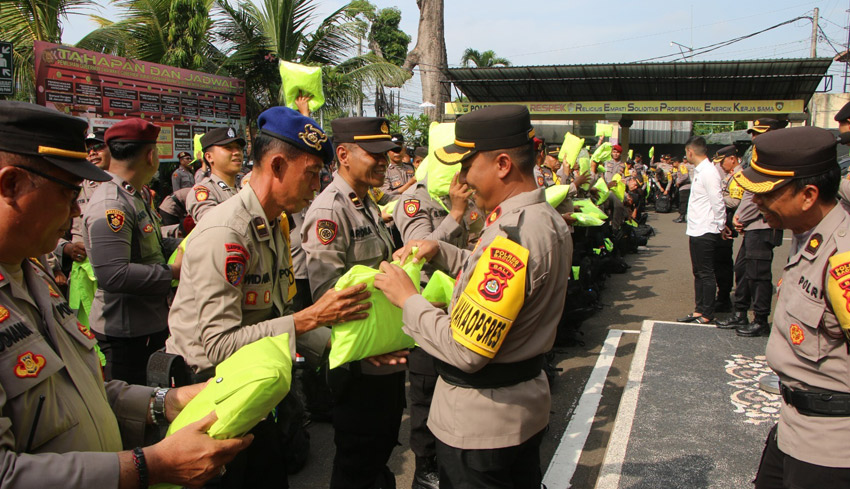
398, 139
494, 127
761, 126
370, 133
420, 151
96, 136
554, 151
221, 136
300, 131
59, 139
844, 113
132, 131
724, 152
779, 158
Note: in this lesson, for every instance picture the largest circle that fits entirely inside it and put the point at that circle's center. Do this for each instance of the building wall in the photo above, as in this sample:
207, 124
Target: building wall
824, 106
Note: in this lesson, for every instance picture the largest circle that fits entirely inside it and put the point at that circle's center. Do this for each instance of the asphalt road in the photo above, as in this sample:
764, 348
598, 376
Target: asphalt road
659, 286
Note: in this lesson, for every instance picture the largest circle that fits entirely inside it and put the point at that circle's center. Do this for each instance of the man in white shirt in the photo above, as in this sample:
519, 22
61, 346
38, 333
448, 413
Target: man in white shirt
706, 220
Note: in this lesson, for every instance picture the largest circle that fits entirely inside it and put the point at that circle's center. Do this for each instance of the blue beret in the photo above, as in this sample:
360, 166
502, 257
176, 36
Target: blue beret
302, 132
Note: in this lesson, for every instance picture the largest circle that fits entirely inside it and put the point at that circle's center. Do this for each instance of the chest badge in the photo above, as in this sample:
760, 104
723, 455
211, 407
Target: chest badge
494, 216
85, 330
473, 216
4, 314
115, 219
796, 334
148, 228
251, 298
29, 365
51, 290
411, 207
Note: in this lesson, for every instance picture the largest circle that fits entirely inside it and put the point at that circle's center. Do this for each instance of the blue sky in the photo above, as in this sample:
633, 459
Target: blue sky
550, 32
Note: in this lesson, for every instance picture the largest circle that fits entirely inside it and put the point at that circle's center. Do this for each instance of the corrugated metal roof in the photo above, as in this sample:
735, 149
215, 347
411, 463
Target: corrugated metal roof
782, 79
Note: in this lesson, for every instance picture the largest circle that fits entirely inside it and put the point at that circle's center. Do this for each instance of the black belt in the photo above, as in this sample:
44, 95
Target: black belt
493, 375
836, 404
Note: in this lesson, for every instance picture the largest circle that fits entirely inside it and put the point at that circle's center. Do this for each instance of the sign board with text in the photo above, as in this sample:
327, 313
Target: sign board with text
106, 89
7, 80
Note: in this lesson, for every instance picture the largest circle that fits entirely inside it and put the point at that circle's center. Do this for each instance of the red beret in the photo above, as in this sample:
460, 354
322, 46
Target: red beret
617, 147
132, 131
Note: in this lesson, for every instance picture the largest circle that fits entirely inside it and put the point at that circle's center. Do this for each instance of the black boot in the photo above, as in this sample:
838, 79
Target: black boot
759, 327
426, 476
739, 319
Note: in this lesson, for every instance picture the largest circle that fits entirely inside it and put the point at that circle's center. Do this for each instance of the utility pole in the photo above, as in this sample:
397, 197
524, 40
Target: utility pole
814, 49
848, 49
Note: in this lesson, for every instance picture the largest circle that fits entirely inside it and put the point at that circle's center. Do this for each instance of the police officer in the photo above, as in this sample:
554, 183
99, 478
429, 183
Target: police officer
399, 175
419, 154
491, 404
753, 277
549, 168
223, 153
842, 117
182, 176
237, 283
760, 126
794, 178
343, 227
452, 219
61, 425
614, 165
727, 164
683, 185
129, 314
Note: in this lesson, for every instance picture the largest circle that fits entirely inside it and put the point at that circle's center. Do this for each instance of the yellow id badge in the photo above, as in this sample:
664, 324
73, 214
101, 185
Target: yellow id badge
491, 301
838, 289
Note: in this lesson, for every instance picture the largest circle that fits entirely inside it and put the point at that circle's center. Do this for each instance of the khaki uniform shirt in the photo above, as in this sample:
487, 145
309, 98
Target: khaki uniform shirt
83, 201
181, 178
807, 348
496, 418
127, 251
844, 189
544, 176
612, 168
341, 230
749, 215
418, 215
732, 192
236, 284
45, 352
206, 194
685, 176
396, 177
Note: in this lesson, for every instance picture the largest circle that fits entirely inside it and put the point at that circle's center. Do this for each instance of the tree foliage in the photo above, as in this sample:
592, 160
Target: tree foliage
487, 59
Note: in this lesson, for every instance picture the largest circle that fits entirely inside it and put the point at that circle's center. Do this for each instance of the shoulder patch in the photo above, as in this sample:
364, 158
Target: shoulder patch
115, 219
326, 231
29, 365
814, 243
411, 207
838, 289
491, 301
234, 269
238, 249
494, 216
541, 182
201, 193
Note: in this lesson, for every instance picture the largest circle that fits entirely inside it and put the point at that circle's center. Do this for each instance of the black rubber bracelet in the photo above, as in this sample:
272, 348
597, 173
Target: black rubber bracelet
141, 467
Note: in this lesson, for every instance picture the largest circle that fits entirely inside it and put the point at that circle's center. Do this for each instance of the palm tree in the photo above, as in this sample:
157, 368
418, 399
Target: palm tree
22, 22
487, 59
257, 36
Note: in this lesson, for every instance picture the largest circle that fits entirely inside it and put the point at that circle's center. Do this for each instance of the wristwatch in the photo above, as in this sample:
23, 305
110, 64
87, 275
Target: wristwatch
157, 406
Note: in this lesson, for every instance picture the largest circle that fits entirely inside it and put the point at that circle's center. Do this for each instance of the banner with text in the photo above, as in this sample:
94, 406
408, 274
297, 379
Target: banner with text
654, 107
106, 89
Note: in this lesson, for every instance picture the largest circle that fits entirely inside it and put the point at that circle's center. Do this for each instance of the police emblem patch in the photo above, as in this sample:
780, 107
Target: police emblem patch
51, 290
4, 314
411, 207
85, 330
201, 194
313, 137
497, 212
29, 365
267, 297
148, 228
473, 216
541, 182
251, 298
234, 269
796, 334
385, 128
326, 231
231, 133
115, 219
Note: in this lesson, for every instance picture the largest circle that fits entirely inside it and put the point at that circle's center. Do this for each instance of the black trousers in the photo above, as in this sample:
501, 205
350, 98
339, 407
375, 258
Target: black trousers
753, 278
684, 196
127, 358
780, 471
262, 465
515, 467
703, 251
423, 379
724, 268
366, 418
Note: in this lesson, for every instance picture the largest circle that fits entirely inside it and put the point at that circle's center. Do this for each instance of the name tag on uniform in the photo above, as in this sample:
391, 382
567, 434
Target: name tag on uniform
491, 301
